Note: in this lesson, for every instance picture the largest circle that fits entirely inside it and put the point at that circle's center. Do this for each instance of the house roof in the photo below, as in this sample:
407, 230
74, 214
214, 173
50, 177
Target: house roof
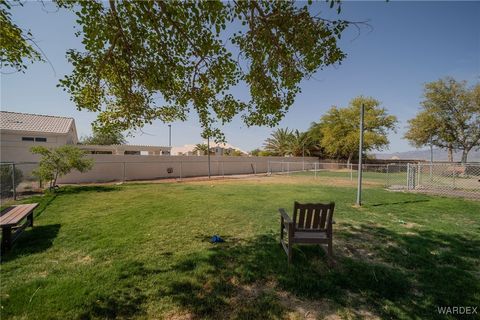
34, 122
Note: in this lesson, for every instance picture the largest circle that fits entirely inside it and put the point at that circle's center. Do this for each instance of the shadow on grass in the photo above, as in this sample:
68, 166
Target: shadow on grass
397, 275
399, 202
79, 189
123, 303
378, 271
33, 240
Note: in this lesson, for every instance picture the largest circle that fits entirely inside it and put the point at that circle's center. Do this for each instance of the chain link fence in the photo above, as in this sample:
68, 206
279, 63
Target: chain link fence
437, 178
446, 179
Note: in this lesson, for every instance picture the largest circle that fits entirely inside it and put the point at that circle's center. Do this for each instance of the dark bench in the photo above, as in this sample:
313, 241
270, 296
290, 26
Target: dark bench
10, 219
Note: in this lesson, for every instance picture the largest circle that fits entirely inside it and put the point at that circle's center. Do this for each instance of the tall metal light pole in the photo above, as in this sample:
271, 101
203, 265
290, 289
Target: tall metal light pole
360, 156
208, 153
170, 135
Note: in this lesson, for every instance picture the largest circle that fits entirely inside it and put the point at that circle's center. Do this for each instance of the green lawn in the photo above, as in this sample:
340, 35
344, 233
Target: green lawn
142, 251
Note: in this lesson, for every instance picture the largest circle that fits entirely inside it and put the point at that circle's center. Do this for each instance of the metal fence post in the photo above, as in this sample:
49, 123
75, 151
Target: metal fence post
408, 176
181, 169
453, 171
124, 169
13, 182
223, 170
288, 168
387, 176
315, 169
419, 173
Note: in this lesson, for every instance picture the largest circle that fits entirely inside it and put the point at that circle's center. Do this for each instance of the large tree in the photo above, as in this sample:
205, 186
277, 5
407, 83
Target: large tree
340, 128
315, 135
102, 137
449, 117
148, 60
17, 46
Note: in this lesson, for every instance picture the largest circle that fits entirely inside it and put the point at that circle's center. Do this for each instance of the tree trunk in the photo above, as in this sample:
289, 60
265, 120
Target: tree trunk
450, 153
349, 158
465, 155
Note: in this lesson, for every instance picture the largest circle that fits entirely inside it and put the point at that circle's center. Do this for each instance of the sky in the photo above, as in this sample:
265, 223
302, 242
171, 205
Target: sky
409, 44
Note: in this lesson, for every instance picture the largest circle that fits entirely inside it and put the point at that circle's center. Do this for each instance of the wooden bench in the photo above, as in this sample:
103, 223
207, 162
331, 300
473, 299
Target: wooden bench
10, 219
310, 224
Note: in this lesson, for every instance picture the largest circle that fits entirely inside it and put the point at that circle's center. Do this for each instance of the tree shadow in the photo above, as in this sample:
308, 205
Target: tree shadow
389, 274
123, 303
398, 202
33, 240
80, 189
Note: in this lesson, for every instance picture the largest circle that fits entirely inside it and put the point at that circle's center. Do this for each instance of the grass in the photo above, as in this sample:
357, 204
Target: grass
142, 251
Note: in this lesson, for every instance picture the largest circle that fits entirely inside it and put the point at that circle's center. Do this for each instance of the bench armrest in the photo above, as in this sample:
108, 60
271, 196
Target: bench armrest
284, 215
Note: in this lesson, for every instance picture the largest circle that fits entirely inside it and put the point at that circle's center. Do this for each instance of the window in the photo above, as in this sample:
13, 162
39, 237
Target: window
38, 139
28, 139
136, 153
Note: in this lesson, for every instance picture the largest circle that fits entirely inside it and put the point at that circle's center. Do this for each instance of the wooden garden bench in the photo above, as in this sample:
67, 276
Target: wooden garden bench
311, 223
10, 219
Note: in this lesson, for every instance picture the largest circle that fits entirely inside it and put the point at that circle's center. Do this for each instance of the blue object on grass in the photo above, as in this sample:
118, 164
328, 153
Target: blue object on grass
216, 239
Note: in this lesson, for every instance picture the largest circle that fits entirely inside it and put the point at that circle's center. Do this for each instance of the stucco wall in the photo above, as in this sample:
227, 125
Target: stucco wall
13, 149
131, 167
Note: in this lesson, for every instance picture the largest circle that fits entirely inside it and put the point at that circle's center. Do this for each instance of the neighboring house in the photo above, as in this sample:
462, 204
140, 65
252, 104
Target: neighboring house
21, 131
126, 149
217, 149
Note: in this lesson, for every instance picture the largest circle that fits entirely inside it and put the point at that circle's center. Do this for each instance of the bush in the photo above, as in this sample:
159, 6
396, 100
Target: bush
6, 187
58, 162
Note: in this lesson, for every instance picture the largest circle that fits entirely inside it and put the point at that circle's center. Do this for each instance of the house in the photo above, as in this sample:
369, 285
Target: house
21, 131
216, 149
126, 149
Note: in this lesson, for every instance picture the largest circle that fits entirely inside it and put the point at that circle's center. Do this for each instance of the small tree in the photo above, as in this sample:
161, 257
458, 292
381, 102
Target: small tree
201, 148
255, 152
233, 153
60, 161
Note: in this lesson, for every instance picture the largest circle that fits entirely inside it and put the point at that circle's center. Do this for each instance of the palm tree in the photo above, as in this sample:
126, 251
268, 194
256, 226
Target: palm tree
201, 148
279, 142
302, 144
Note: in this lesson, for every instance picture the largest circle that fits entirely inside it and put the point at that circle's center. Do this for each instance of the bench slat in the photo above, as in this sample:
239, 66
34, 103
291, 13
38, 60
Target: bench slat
9, 213
13, 215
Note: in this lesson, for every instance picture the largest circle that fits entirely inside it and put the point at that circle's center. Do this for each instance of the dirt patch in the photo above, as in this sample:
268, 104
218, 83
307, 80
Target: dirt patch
179, 316
249, 178
303, 309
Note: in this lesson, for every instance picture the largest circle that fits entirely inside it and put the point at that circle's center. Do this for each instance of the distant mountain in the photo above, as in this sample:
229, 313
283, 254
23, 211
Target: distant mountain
438, 155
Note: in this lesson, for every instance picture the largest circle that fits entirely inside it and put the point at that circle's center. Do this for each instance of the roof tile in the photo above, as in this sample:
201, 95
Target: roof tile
34, 122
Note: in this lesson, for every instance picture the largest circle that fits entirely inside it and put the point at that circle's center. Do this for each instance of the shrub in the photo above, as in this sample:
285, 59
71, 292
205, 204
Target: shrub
60, 161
